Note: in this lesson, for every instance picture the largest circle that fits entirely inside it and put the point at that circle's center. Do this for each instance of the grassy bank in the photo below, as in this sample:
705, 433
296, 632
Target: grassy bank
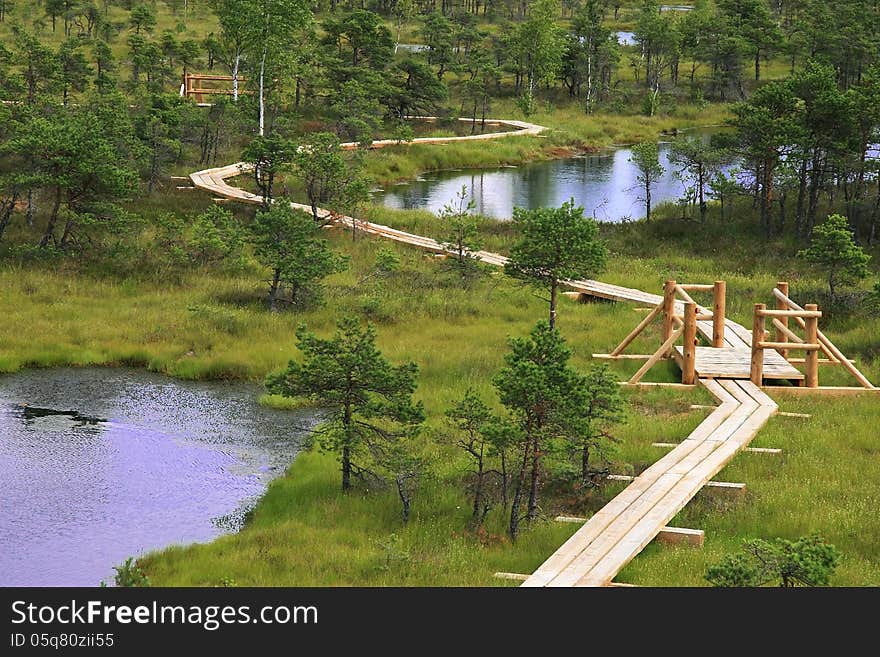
569, 130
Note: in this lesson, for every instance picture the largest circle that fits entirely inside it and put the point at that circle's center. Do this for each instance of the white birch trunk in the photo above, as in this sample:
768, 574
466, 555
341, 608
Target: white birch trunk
262, 100
590, 74
235, 66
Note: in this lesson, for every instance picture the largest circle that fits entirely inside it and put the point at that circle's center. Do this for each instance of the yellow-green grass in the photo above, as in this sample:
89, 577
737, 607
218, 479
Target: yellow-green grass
199, 23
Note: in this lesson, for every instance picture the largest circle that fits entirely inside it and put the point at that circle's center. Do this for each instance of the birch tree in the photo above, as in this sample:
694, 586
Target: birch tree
234, 17
270, 32
541, 42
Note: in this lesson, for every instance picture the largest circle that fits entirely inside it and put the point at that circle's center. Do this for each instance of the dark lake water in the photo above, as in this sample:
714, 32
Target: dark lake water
603, 183
108, 463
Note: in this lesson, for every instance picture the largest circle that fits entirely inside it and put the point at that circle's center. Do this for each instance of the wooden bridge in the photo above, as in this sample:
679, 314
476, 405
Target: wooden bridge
733, 365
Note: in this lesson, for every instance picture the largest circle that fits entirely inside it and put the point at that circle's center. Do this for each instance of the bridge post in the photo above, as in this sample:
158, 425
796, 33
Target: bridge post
812, 357
668, 310
758, 334
718, 310
782, 286
689, 353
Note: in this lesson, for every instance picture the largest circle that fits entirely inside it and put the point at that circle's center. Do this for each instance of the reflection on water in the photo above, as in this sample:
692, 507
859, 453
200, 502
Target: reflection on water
626, 38
605, 184
98, 464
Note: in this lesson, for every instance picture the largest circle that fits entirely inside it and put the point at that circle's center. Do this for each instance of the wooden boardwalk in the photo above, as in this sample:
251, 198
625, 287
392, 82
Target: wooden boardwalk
623, 527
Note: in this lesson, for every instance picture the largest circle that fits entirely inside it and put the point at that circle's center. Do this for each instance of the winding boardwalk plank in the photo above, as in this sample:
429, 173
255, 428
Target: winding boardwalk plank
624, 526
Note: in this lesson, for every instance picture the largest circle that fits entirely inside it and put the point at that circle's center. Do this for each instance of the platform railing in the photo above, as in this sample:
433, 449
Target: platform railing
809, 317
787, 340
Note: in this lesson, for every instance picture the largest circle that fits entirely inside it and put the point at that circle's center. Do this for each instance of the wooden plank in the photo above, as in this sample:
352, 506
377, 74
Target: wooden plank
620, 532
608, 539
756, 450
770, 312
681, 536
628, 497
821, 361
723, 485
736, 364
572, 519
731, 486
641, 534
656, 384
517, 576
799, 346
831, 391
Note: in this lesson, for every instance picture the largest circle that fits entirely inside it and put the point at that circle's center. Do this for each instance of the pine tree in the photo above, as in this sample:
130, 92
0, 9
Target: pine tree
646, 157
286, 241
547, 400
555, 244
834, 251
371, 413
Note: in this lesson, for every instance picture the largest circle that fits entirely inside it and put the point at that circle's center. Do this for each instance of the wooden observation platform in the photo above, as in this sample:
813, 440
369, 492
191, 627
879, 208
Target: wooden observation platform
199, 85
736, 363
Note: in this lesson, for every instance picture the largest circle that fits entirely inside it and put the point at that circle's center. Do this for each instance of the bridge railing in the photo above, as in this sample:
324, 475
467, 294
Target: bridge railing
808, 317
193, 86
680, 324
673, 291
786, 340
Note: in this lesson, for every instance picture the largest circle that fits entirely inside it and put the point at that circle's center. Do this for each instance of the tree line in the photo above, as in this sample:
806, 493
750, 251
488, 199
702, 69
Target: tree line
807, 142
